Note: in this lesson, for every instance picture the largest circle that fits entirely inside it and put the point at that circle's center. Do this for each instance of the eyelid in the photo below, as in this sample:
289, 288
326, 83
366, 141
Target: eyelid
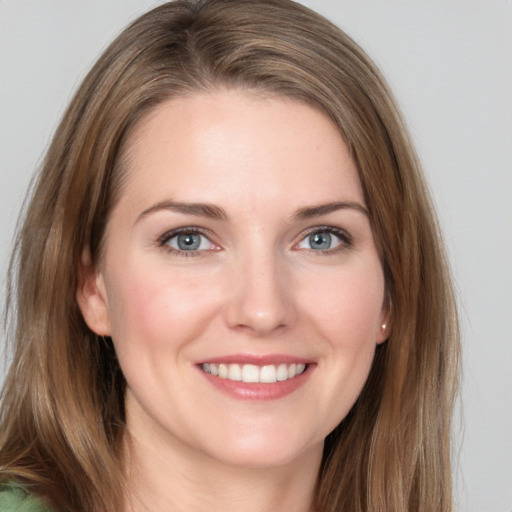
345, 238
168, 235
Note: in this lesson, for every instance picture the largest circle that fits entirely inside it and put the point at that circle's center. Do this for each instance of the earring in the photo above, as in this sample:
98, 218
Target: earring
383, 327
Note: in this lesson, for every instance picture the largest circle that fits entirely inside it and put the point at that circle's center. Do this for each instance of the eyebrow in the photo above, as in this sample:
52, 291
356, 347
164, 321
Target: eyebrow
211, 211
309, 212
199, 209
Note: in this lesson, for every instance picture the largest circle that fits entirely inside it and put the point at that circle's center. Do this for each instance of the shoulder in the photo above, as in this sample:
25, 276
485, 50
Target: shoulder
14, 498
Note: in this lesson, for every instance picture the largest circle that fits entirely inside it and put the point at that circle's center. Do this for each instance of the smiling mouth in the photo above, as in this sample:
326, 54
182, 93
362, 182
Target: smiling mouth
250, 373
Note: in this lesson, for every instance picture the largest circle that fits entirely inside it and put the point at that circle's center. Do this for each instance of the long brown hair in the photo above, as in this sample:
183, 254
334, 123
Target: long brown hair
62, 411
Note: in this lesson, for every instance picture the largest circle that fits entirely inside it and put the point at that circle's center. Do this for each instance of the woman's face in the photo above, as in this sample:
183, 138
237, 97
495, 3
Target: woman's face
240, 248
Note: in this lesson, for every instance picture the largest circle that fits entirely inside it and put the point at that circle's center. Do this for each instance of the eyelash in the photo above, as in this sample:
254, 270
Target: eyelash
345, 240
169, 235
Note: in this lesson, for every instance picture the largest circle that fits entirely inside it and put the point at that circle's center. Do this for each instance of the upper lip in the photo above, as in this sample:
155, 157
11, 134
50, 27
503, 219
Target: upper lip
257, 360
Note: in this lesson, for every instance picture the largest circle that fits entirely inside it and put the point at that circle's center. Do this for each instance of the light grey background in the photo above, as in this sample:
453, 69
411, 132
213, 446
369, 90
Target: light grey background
450, 65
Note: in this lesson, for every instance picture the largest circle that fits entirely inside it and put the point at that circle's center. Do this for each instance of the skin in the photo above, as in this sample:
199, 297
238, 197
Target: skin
256, 287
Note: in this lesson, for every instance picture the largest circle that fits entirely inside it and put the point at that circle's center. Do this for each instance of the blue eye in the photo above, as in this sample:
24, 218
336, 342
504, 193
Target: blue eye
324, 240
188, 241
321, 241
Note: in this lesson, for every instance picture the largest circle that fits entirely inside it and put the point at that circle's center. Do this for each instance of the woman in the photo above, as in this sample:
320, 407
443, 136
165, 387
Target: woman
230, 287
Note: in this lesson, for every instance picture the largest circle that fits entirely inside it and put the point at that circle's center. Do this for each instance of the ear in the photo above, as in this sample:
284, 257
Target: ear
384, 323
92, 297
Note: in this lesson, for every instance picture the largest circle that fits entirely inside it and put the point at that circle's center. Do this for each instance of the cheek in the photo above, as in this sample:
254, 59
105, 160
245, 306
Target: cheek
347, 316
347, 306
158, 308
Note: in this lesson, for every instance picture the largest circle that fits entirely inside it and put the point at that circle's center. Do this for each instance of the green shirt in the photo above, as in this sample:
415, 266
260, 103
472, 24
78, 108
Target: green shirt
14, 498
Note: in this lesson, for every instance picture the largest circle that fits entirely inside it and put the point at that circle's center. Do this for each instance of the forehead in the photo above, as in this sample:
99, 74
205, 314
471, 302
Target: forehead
217, 146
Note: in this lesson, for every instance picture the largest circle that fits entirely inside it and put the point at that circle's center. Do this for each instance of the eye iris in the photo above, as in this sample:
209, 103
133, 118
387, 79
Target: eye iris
320, 241
189, 241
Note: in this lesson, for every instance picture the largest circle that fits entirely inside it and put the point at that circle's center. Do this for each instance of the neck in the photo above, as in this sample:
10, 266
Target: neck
166, 475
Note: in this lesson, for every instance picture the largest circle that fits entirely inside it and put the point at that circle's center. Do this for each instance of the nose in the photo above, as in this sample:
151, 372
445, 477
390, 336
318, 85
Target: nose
260, 296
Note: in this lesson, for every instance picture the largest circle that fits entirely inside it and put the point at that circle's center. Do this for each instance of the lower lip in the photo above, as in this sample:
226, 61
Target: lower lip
257, 390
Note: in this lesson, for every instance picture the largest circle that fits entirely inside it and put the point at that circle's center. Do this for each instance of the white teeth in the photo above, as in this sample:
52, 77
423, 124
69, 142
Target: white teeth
268, 373
251, 373
234, 372
282, 372
223, 371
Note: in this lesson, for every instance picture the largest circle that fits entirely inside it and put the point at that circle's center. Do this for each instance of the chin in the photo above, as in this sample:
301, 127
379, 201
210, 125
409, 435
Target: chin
265, 450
